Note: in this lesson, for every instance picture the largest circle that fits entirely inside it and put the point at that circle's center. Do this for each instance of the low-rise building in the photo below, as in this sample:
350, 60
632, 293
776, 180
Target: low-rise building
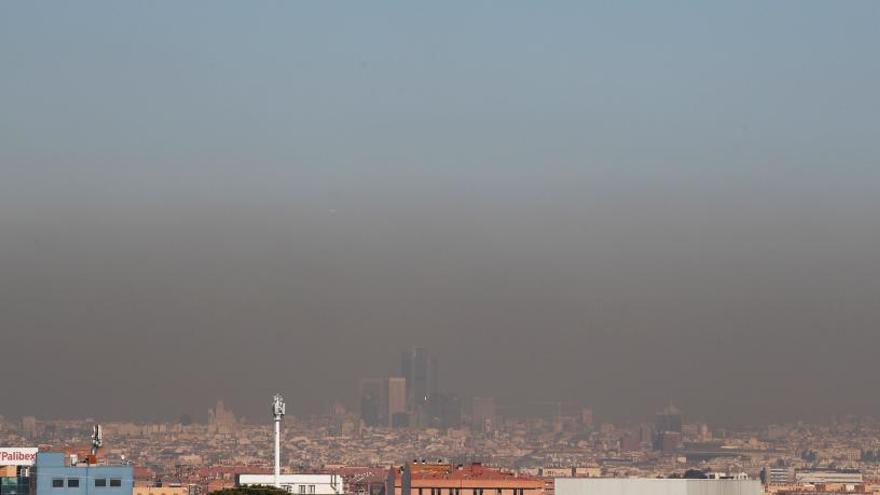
174, 489
14, 480
556, 472
775, 475
298, 484
15, 469
651, 486
826, 476
54, 475
447, 479
587, 471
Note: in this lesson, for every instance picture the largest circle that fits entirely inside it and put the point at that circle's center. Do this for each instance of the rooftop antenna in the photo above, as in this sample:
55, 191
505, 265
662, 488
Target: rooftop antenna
97, 439
278, 410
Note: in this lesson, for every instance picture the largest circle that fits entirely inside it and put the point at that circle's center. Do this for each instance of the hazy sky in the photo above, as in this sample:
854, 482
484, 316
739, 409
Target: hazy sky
625, 203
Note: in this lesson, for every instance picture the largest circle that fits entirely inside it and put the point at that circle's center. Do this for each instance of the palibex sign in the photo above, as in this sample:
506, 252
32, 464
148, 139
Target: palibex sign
17, 456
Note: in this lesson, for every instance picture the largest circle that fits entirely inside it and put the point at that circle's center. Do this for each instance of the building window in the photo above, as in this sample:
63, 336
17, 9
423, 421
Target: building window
311, 489
302, 489
57, 483
72, 482
115, 482
100, 482
498, 491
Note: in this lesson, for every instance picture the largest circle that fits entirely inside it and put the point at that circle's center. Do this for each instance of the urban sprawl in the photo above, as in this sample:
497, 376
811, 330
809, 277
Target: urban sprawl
406, 437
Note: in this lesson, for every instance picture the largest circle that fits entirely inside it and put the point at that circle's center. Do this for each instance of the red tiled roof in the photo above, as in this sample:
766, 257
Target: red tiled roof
468, 472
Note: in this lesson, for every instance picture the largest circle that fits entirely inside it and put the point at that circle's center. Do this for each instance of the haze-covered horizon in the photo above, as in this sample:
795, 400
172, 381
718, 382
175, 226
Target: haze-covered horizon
621, 204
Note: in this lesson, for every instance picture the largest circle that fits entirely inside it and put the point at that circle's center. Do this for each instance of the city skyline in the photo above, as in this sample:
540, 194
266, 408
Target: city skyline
473, 247
665, 447
403, 401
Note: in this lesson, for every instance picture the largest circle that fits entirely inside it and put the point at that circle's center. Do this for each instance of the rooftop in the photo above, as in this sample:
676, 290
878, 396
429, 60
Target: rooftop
460, 472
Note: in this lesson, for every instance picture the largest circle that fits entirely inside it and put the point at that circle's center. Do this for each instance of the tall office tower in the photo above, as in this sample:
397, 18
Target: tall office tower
371, 395
422, 381
669, 419
666, 421
438, 411
433, 376
587, 418
646, 434
395, 392
483, 413
448, 410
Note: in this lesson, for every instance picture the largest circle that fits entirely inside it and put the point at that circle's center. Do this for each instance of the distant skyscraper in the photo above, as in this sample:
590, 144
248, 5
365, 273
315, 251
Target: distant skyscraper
587, 418
669, 441
646, 434
449, 410
396, 398
372, 401
483, 413
667, 421
422, 381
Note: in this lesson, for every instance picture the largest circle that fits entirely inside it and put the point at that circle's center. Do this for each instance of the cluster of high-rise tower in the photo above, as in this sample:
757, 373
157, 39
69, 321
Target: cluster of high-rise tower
410, 398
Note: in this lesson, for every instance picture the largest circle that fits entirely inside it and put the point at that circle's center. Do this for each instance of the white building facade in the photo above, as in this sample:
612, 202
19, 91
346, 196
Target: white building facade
297, 484
649, 486
844, 476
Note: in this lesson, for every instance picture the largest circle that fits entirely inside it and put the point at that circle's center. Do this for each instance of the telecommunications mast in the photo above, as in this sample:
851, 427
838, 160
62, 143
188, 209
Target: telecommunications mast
97, 438
278, 409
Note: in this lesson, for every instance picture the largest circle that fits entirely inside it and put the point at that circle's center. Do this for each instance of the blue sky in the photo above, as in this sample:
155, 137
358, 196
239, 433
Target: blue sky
477, 86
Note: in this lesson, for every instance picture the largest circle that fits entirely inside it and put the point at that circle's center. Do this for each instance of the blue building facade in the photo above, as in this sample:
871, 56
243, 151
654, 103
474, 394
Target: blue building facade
53, 477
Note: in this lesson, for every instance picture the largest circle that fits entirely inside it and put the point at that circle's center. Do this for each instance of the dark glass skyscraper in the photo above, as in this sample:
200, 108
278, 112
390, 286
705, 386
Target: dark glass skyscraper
669, 419
419, 368
667, 428
373, 403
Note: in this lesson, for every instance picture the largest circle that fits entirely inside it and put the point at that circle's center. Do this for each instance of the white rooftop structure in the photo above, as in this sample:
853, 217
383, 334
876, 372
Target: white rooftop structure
298, 484
650, 486
846, 476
